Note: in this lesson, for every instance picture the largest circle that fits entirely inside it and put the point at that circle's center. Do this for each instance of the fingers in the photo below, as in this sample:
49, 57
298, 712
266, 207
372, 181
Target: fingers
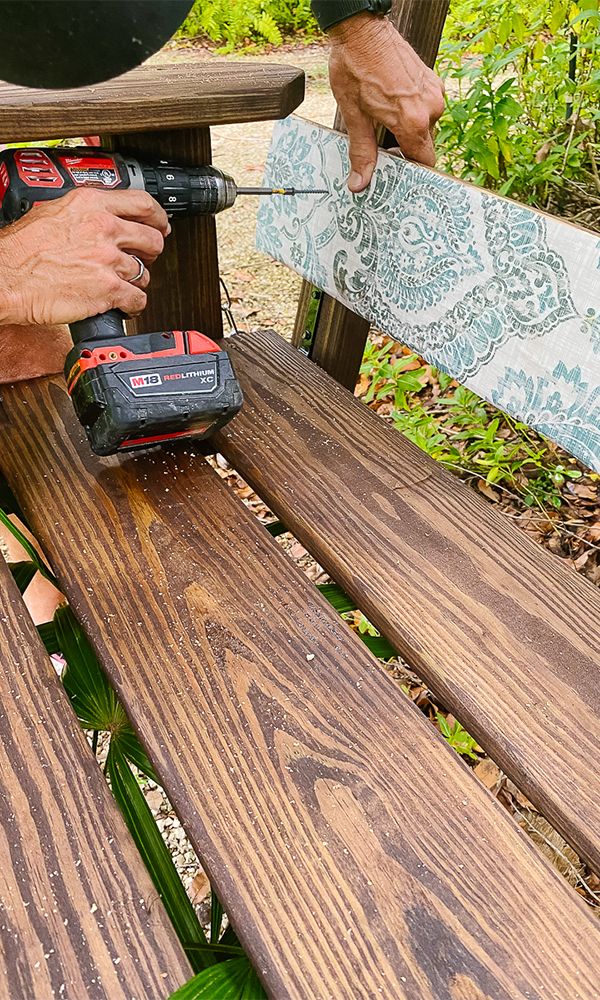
129, 298
416, 144
362, 150
127, 268
144, 241
137, 206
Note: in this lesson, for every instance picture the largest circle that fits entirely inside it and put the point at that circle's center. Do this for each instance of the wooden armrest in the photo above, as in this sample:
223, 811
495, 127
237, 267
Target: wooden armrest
184, 95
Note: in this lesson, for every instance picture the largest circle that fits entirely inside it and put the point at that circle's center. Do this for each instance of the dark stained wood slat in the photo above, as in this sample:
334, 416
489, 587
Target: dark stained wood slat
177, 95
356, 853
506, 636
79, 916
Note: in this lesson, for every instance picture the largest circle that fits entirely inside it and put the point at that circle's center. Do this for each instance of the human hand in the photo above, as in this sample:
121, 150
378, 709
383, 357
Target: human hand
70, 258
377, 78
29, 352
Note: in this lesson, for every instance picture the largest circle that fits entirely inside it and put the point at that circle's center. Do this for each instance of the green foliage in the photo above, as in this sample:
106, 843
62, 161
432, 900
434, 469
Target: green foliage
31, 551
456, 427
23, 573
234, 23
518, 123
379, 369
232, 980
471, 437
457, 737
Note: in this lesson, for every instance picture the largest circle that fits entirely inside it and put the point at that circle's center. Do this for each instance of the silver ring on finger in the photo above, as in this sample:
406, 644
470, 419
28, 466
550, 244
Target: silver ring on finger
141, 272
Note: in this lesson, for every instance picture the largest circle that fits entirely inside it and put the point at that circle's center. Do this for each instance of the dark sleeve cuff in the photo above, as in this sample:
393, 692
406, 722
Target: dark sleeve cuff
330, 12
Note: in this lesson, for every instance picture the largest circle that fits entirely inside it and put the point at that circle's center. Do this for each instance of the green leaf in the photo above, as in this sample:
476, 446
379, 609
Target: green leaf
379, 646
232, 980
518, 25
132, 749
47, 633
93, 699
155, 854
444, 727
23, 573
216, 916
219, 950
337, 597
508, 107
559, 16
29, 548
276, 528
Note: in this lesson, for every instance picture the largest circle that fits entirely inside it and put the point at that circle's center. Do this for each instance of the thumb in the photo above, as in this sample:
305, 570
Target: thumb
362, 152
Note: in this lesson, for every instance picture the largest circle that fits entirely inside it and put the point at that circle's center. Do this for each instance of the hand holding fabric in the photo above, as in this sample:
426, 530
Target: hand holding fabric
377, 77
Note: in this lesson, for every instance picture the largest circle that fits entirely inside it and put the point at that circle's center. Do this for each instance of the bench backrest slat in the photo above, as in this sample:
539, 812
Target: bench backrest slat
503, 298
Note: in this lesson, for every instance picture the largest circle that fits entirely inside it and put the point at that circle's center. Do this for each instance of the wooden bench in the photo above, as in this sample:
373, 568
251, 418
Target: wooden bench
355, 854
79, 916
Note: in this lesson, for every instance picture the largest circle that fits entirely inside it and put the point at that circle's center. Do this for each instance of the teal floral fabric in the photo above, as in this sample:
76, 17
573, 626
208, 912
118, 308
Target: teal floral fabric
503, 298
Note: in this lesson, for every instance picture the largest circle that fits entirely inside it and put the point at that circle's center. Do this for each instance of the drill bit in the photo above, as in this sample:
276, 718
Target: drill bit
290, 191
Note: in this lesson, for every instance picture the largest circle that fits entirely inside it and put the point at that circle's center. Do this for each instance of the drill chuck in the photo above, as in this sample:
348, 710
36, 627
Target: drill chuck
204, 190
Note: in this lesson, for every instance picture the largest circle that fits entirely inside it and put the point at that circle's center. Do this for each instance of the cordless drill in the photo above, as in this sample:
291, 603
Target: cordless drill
133, 392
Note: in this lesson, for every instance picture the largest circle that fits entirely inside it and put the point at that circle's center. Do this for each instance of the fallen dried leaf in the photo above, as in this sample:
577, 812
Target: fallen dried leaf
199, 889
488, 491
488, 773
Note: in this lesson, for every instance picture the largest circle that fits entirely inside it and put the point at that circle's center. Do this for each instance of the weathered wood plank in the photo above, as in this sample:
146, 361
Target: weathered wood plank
184, 293
504, 298
304, 777
505, 635
340, 334
181, 95
79, 916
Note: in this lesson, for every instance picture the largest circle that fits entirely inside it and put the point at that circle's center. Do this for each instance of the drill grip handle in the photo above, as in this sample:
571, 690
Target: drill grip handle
105, 326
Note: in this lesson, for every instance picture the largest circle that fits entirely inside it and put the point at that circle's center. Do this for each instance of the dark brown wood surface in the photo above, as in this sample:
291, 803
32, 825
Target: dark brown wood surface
177, 95
340, 335
505, 635
357, 855
184, 292
79, 917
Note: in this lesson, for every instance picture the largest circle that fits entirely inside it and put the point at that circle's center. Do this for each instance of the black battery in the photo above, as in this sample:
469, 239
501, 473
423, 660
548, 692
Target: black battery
146, 389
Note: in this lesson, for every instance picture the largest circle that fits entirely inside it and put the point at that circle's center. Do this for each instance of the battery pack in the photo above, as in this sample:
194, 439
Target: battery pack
150, 388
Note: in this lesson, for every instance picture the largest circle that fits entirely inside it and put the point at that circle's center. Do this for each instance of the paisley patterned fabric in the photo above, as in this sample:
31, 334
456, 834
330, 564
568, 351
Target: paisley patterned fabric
503, 298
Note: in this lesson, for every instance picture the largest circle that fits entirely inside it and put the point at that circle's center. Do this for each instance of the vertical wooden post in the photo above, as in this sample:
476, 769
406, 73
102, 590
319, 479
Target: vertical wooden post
339, 334
184, 292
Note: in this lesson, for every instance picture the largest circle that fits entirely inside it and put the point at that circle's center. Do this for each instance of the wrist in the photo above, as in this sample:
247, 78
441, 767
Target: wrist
9, 312
362, 30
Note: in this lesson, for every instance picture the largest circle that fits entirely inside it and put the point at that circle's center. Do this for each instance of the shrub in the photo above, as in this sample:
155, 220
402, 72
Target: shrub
237, 22
526, 117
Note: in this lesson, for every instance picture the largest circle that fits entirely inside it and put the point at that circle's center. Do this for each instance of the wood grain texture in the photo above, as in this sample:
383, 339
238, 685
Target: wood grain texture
184, 95
184, 292
506, 636
340, 334
79, 917
308, 783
